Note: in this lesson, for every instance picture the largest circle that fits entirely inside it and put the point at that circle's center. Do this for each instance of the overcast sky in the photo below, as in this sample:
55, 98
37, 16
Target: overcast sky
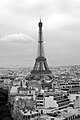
19, 31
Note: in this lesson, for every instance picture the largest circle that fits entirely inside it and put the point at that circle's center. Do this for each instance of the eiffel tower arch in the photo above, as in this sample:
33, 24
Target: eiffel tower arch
40, 68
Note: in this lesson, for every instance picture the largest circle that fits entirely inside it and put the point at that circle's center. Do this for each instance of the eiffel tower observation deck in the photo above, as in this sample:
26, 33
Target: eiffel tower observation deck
40, 68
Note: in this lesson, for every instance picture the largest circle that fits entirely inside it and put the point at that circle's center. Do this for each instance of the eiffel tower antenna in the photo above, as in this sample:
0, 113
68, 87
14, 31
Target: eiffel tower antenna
40, 17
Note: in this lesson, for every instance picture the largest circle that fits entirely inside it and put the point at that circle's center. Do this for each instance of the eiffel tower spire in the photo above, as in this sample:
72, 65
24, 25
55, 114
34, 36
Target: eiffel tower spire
40, 41
41, 67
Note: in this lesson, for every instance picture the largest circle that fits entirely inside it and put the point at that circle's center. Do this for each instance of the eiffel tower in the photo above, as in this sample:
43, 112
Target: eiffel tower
40, 68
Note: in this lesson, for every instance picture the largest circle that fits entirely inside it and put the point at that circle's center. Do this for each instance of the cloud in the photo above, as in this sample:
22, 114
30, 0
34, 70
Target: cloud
72, 27
21, 13
46, 7
30, 7
17, 38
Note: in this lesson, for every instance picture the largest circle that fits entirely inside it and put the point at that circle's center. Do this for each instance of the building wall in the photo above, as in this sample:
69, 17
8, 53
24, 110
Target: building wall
77, 102
72, 97
40, 101
50, 102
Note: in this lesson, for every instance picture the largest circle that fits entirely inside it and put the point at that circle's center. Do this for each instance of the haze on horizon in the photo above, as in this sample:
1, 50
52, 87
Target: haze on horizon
19, 31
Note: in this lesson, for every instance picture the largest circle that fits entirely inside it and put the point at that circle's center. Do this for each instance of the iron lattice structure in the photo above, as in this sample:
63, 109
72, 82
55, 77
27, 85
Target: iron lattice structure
41, 67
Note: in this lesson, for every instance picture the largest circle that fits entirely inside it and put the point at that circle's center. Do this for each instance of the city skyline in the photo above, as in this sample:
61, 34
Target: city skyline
19, 32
